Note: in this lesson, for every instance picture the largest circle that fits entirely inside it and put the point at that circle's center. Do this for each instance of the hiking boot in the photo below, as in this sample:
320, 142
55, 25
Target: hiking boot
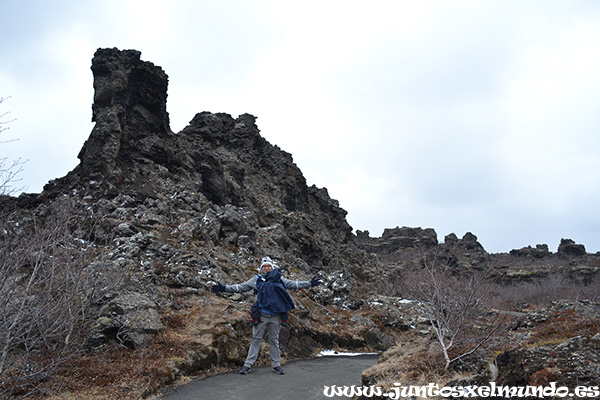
245, 370
278, 370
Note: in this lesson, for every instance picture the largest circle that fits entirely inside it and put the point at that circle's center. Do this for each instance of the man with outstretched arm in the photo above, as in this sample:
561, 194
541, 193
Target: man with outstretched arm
273, 300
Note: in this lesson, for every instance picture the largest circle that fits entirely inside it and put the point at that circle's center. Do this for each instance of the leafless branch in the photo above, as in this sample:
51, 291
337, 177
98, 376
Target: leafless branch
47, 294
455, 301
9, 170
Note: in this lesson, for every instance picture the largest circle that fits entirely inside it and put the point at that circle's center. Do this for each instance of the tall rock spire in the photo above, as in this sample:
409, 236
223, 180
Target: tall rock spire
130, 106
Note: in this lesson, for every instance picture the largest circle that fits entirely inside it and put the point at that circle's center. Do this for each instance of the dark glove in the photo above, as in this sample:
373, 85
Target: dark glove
315, 281
218, 288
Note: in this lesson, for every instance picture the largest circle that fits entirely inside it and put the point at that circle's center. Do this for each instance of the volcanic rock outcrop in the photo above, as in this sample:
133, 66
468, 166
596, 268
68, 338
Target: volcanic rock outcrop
161, 216
221, 163
183, 210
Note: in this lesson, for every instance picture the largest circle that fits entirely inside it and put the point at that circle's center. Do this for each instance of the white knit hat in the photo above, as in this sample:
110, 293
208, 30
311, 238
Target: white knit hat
265, 261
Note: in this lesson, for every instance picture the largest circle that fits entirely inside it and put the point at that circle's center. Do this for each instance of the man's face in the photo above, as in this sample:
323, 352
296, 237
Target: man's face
266, 268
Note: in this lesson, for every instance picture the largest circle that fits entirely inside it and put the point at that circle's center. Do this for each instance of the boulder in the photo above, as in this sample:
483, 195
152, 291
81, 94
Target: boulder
131, 319
379, 340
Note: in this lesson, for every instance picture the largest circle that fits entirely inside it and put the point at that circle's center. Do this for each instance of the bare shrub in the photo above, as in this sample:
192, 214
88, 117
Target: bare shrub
541, 291
456, 306
47, 295
8, 169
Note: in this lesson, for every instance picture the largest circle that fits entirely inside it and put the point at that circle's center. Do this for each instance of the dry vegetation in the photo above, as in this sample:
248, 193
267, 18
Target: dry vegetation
495, 323
563, 325
419, 361
48, 289
454, 302
117, 372
9, 169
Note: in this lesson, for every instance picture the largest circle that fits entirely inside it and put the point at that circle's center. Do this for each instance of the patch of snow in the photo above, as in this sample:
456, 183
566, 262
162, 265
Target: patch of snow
335, 353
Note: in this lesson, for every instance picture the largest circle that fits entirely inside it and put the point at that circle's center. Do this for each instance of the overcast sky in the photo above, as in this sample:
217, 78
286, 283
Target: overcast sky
462, 116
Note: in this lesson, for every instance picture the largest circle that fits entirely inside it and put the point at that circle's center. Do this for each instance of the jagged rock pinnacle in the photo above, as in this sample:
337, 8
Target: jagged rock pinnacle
130, 106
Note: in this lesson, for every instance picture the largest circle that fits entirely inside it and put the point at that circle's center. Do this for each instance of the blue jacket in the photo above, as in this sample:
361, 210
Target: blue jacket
273, 297
252, 283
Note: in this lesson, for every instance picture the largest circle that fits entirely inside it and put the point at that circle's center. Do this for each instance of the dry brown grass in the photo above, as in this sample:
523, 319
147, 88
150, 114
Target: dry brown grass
117, 372
415, 361
563, 325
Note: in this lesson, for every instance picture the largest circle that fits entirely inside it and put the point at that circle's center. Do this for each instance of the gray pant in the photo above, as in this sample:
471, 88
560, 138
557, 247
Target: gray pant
273, 324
